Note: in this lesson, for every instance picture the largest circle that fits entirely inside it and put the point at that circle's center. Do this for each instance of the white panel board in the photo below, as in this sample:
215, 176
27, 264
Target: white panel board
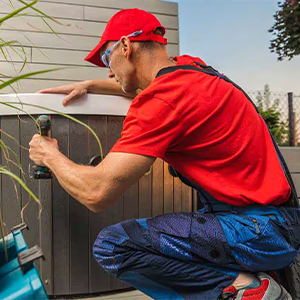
87, 105
103, 15
170, 8
68, 73
72, 27
48, 40
64, 57
16, 55
57, 10
32, 85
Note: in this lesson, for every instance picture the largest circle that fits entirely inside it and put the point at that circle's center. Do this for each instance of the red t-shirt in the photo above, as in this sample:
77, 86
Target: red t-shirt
209, 132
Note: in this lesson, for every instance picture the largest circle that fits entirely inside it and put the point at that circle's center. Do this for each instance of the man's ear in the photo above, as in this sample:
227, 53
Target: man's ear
126, 46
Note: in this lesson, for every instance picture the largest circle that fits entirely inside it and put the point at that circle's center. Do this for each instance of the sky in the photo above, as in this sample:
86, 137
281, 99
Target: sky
233, 37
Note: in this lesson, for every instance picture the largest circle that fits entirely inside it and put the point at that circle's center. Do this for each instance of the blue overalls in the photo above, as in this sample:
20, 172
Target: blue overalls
197, 255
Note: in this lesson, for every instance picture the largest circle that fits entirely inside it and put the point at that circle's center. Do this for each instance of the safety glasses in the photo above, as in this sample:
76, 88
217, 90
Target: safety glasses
105, 57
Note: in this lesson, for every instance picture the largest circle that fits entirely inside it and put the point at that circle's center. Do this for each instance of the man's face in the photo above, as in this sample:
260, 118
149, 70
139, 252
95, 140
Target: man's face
122, 66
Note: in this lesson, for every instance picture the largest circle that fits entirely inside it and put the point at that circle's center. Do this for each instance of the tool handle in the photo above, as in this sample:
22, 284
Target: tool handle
42, 172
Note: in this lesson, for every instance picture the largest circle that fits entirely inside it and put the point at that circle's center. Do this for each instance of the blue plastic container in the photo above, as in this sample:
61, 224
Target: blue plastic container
15, 282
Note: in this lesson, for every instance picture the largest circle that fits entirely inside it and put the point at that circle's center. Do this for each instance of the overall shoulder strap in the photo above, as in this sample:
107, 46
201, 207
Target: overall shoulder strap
211, 71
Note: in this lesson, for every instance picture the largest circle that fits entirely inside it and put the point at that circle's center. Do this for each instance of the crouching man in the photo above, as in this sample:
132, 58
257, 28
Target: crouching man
207, 129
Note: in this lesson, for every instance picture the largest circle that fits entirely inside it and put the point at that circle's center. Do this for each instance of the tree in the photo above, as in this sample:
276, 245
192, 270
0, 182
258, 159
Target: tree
272, 116
286, 30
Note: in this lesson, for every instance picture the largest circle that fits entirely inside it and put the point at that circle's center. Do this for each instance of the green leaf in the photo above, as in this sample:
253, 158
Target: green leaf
3, 170
3, 239
4, 147
64, 115
7, 149
20, 109
41, 13
20, 77
286, 43
9, 44
15, 12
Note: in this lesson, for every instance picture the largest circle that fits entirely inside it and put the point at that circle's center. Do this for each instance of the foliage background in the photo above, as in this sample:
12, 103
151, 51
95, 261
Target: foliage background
286, 30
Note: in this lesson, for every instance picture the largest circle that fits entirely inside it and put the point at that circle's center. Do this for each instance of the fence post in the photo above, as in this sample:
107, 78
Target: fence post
291, 120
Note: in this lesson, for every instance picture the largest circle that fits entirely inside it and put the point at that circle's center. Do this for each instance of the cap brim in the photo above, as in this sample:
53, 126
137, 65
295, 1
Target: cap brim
94, 56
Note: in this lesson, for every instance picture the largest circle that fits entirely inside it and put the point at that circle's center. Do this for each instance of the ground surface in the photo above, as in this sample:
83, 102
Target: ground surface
134, 295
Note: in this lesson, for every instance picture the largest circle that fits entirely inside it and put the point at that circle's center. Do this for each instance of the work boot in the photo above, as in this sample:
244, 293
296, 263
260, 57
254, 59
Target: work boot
269, 289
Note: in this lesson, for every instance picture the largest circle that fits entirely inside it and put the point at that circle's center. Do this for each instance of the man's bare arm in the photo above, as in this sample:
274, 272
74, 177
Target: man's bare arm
98, 86
95, 187
99, 187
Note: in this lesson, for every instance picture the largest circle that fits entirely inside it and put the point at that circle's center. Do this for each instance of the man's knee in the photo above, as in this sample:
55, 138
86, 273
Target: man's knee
108, 248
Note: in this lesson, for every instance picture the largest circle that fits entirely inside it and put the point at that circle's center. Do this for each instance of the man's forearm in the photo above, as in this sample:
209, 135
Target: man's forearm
106, 86
77, 180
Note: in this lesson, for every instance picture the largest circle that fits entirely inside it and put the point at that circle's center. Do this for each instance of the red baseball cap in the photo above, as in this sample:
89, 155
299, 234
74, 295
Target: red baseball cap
123, 23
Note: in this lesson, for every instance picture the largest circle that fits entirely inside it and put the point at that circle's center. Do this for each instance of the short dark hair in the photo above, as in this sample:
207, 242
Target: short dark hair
149, 45
146, 45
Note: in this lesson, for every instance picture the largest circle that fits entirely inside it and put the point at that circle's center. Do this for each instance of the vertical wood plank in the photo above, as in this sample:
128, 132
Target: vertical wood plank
45, 196
46, 271
61, 221
145, 196
131, 206
177, 194
131, 202
79, 227
97, 221
11, 192
158, 188
195, 203
114, 214
186, 198
168, 191
31, 213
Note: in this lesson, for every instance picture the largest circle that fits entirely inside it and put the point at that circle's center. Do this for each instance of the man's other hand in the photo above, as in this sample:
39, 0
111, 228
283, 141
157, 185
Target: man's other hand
74, 91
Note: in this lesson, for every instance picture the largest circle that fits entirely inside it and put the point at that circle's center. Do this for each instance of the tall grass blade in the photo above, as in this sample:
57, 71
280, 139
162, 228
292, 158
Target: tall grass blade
3, 238
41, 13
3, 170
64, 115
20, 77
15, 12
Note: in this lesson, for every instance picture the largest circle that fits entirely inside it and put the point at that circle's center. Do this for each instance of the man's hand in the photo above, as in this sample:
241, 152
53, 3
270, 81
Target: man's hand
99, 86
74, 91
41, 147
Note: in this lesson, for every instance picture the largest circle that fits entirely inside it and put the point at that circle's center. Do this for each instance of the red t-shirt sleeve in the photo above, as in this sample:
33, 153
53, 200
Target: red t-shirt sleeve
151, 128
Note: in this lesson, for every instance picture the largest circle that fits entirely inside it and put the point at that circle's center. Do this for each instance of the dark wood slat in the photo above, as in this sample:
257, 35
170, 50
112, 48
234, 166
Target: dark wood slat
131, 206
27, 130
177, 194
114, 214
45, 196
195, 203
79, 221
61, 221
186, 198
158, 188
168, 191
131, 202
145, 196
11, 193
97, 221
46, 272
